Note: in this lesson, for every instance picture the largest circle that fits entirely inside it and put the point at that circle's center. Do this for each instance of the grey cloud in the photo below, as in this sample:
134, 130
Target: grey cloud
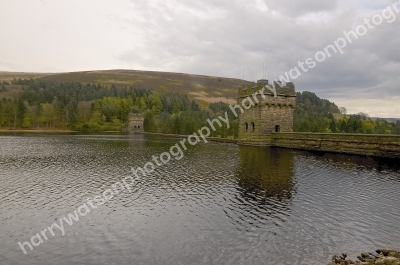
299, 8
243, 37
211, 37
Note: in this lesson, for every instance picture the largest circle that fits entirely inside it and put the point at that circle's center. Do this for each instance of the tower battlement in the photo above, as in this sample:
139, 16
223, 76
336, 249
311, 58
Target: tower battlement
269, 112
286, 90
135, 123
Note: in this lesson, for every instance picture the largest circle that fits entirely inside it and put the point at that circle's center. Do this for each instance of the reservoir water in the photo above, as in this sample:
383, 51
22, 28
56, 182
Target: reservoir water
220, 204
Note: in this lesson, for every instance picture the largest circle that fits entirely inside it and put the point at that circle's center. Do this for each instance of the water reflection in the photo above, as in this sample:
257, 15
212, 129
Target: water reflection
356, 162
265, 172
220, 204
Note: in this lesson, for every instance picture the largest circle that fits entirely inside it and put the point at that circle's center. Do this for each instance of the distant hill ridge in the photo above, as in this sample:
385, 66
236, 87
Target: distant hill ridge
101, 100
207, 89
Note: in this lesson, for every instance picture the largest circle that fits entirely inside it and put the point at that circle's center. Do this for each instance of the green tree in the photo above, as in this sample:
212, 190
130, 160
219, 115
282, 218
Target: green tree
41, 114
14, 111
26, 121
3, 88
156, 103
332, 126
2, 116
48, 114
343, 125
142, 105
149, 122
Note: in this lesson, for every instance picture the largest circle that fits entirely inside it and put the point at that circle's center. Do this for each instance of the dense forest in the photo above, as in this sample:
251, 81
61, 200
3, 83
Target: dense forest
313, 114
56, 105
93, 107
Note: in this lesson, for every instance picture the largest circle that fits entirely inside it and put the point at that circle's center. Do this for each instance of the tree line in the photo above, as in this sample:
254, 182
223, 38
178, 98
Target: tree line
313, 114
47, 104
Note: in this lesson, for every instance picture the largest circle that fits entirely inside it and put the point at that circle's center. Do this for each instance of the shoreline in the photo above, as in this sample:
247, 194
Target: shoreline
212, 139
38, 131
381, 257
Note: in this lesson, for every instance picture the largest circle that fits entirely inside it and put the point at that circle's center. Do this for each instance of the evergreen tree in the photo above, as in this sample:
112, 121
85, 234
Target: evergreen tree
26, 121
2, 117
332, 126
156, 103
343, 125
142, 104
3, 88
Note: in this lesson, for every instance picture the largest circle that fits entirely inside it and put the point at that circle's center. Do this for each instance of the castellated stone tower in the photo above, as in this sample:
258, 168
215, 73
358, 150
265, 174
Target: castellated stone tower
265, 112
136, 122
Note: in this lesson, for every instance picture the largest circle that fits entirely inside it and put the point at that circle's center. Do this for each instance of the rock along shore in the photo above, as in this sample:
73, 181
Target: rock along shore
381, 257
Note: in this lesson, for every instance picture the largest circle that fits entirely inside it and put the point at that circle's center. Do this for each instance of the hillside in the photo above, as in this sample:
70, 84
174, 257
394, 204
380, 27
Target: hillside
205, 89
9, 76
313, 114
59, 105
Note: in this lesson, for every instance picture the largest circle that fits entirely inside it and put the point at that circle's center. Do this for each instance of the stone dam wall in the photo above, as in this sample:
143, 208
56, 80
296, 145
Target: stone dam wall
357, 144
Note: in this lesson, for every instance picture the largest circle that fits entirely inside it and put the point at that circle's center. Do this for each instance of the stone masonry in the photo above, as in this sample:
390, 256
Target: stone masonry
268, 121
136, 122
267, 114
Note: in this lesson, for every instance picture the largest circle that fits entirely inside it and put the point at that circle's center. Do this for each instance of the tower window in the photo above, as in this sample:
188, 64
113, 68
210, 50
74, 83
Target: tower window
277, 128
253, 127
247, 126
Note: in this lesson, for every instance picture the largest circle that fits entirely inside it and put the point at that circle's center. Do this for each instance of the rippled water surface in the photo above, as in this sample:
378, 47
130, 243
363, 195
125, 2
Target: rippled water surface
220, 204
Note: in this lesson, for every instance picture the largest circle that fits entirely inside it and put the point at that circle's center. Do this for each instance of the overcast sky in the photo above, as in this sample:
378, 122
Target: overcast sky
212, 37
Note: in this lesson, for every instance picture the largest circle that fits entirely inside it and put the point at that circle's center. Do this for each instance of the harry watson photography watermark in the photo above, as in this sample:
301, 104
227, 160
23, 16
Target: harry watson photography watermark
176, 151
388, 14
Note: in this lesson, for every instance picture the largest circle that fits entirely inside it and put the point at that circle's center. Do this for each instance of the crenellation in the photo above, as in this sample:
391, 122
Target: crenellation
270, 113
270, 123
136, 123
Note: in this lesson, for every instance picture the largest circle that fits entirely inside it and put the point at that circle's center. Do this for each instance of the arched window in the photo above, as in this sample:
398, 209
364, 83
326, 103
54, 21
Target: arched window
253, 127
246, 126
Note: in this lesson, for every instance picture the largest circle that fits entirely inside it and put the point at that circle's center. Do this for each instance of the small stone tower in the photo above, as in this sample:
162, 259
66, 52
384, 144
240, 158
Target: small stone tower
265, 112
135, 123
